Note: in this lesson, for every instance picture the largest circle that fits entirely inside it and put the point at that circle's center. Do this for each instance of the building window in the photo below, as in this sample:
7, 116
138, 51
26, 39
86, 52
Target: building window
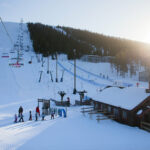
116, 112
96, 106
101, 107
124, 115
109, 109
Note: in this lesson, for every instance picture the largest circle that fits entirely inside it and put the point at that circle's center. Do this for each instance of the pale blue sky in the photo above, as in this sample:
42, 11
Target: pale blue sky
123, 18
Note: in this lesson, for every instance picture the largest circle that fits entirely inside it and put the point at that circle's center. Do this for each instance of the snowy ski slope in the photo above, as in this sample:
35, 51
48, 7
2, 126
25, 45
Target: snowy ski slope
20, 86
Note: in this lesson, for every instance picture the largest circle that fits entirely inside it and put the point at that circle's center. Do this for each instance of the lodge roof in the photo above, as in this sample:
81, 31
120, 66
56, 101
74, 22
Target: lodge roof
127, 98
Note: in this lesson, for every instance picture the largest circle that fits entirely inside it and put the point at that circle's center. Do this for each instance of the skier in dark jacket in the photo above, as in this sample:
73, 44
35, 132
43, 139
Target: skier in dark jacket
20, 111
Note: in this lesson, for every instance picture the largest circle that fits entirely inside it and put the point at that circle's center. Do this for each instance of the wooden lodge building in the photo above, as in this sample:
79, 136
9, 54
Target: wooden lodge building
129, 105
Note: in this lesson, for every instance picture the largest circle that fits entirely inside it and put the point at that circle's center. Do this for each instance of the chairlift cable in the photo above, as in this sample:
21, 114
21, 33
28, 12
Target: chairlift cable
6, 30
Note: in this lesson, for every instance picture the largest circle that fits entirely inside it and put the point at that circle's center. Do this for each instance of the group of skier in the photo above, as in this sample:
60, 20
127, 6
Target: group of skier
20, 117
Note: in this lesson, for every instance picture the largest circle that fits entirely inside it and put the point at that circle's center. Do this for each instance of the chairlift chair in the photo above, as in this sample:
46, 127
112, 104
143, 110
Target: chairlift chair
17, 58
17, 64
12, 51
5, 55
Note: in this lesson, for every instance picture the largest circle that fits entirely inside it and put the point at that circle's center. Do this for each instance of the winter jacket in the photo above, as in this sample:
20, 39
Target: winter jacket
20, 110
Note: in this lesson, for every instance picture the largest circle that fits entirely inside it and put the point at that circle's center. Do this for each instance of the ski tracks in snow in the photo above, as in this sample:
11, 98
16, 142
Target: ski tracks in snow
15, 135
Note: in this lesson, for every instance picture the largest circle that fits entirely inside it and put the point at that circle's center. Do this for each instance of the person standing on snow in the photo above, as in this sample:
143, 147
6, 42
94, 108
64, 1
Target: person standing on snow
16, 118
36, 116
20, 111
38, 110
68, 101
52, 115
43, 115
137, 84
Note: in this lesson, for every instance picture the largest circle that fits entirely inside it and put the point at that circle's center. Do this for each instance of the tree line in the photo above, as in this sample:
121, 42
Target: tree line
47, 40
125, 53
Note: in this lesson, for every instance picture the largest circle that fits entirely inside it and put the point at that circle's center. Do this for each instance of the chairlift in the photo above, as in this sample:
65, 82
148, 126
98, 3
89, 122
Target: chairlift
17, 64
30, 62
17, 58
5, 55
12, 51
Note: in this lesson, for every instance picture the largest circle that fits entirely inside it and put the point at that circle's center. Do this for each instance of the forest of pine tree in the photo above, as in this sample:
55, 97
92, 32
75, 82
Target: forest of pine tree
47, 40
126, 53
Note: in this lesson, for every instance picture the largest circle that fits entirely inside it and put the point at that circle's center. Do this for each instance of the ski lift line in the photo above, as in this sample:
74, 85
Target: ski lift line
6, 30
111, 80
90, 82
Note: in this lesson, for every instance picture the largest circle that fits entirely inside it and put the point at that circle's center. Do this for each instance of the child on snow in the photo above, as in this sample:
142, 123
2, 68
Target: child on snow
30, 115
43, 116
52, 115
16, 118
38, 110
68, 101
36, 116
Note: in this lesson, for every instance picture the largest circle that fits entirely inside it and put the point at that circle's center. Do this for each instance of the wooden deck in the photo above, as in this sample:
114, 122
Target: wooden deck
91, 111
145, 126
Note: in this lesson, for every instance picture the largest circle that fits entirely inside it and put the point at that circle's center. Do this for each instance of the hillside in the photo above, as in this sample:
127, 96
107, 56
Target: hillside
127, 55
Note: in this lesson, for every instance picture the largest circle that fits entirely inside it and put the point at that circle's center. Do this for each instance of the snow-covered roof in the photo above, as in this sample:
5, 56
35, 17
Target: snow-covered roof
127, 98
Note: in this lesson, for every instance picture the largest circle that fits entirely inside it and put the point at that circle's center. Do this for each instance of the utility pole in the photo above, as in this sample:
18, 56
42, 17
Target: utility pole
48, 64
56, 68
74, 90
42, 61
40, 76
51, 76
61, 80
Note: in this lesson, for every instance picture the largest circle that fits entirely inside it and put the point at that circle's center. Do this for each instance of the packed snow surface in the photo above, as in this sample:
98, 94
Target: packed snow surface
20, 86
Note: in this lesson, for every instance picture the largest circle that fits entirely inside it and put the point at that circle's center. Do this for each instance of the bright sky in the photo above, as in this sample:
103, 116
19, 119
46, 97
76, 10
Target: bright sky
123, 18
